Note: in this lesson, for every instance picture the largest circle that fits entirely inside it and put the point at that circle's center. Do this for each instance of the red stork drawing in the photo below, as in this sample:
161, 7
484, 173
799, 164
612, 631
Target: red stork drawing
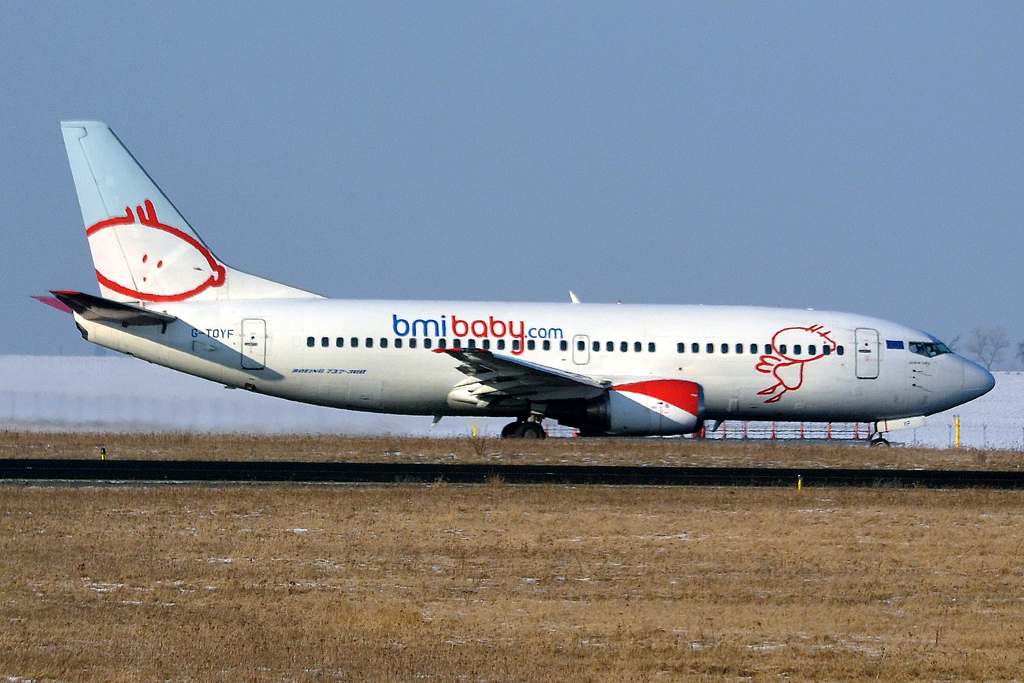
787, 360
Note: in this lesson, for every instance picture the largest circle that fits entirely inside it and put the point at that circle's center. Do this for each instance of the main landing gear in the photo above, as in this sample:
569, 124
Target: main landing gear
523, 430
878, 438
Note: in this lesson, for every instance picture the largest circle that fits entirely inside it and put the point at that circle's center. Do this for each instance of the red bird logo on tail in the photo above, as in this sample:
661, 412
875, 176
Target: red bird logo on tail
138, 256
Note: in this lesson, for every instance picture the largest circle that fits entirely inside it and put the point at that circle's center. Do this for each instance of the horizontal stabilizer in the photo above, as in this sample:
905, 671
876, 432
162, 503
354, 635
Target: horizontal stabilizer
56, 303
103, 310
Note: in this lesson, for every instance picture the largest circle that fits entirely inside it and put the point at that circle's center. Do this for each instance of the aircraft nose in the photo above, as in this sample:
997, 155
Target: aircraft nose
977, 381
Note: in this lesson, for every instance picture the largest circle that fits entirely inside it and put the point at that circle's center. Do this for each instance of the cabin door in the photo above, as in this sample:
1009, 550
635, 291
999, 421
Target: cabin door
867, 353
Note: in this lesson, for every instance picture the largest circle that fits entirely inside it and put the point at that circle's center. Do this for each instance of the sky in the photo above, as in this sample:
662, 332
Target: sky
861, 156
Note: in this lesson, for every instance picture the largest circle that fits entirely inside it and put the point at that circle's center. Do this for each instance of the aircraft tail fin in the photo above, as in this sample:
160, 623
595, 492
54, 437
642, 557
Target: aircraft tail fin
142, 248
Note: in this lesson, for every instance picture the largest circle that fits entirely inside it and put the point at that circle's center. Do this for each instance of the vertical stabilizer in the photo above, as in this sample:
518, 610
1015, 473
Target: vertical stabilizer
142, 248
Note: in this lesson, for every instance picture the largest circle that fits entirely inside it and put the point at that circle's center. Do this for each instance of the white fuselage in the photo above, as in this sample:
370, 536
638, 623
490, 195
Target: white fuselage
753, 363
605, 369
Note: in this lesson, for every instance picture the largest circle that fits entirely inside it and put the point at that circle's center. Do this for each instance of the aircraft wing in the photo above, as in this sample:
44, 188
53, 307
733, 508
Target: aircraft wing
103, 310
493, 379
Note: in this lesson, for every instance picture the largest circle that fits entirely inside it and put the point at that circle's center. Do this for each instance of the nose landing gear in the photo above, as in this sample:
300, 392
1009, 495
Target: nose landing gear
878, 437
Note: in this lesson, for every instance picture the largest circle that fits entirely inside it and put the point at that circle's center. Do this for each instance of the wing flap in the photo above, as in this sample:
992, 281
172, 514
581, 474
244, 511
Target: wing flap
493, 379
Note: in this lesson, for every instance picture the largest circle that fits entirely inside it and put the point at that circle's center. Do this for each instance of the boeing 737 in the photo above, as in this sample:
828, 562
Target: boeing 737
604, 369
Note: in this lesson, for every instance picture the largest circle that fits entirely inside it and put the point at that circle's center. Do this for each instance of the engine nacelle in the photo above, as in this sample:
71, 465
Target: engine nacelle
648, 408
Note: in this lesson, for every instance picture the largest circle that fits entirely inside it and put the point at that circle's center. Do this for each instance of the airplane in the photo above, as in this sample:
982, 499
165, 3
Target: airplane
603, 369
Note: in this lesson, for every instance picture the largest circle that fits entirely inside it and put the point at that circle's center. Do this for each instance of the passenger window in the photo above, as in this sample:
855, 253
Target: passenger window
650, 347
563, 345
710, 348
427, 343
325, 342
725, 348
369, 342
581, 345
472, 343
442, 344
827, 350
767, 349
456, 343
680, 347
782, 349
398, 343
796, 349
412, 343
487, 344
753, 349
839, 350
531, 345
695, 347
355, 342
609, 346
501, 344
383, 342
310, 342
547, 345
597, 346
624, 346
812, 350
339, 342
515, 344
739, 348
637, 346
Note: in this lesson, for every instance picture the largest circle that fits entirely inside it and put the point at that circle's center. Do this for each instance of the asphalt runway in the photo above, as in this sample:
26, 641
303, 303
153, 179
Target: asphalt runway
237, 472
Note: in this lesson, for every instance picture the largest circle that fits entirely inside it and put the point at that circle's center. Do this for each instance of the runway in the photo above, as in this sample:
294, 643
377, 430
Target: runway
239, 472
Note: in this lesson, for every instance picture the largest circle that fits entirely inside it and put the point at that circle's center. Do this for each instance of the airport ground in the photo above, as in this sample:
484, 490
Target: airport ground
507, 583
671, 452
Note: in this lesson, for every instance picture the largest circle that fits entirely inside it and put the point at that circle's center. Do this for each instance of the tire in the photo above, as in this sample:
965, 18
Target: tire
531, 430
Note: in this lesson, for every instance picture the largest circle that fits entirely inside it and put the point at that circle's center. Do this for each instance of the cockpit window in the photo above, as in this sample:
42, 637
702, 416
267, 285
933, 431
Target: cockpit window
928, 349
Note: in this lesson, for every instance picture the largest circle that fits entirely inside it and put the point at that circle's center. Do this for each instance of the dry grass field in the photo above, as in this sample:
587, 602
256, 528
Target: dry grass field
503, 583
654, 452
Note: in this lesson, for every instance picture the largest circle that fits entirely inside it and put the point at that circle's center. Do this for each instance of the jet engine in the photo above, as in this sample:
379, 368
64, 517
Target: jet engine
649, 408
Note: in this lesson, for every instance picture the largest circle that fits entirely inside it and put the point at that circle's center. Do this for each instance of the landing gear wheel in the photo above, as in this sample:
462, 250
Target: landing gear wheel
879, 441
530, 430
523, 430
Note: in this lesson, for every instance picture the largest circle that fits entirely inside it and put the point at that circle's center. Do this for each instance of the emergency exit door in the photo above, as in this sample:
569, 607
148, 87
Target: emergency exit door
581, 349
867, 353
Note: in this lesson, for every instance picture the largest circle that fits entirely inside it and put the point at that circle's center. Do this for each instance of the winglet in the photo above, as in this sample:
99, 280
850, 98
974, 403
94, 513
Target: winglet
573, 298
